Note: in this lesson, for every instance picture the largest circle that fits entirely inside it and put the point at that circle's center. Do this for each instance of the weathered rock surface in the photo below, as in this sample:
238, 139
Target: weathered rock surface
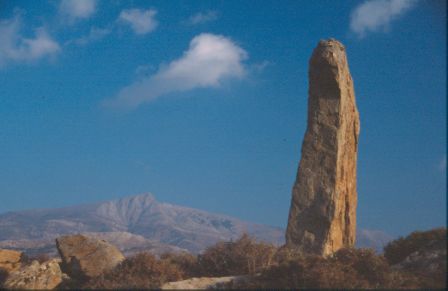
10, 260
322, 217
86, 257
46, 276
203, 283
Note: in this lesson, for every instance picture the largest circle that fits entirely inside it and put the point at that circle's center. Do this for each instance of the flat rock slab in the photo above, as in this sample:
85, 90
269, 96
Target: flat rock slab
201, 283
86, 257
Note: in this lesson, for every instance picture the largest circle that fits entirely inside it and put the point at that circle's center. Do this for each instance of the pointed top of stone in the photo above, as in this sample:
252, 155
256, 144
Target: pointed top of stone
331, 42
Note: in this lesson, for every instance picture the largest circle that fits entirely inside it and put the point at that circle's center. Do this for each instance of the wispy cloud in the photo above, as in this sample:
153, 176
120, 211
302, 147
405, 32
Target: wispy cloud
16, 47
73, 10
261, 66
209, 60
202, 17
141, 21
95, 34
442, 164
376, 15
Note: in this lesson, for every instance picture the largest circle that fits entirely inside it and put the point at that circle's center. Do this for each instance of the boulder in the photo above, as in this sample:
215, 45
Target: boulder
46, 276
322, 217
86, 257
10, 260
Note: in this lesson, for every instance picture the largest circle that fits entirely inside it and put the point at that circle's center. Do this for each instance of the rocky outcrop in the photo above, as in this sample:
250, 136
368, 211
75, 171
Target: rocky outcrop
10, 260
322, 217
429, 260
45, 276
86, 257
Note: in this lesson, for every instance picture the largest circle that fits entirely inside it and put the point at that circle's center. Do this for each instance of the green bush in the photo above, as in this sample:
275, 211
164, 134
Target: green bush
397, 250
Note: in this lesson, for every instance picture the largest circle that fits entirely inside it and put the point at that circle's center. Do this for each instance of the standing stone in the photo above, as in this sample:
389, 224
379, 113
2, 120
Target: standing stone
322, 217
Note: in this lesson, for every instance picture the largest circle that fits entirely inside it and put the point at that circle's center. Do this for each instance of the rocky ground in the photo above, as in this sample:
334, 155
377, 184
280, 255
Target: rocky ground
421, 256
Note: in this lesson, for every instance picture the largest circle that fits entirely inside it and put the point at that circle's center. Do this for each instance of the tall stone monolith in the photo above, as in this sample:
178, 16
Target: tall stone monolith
322, 217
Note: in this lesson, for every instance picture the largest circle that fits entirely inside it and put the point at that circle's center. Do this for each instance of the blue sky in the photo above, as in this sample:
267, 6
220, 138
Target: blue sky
203, 103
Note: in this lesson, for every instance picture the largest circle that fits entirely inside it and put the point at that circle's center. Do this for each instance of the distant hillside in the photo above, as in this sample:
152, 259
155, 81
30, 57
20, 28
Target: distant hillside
137, 223
141, 215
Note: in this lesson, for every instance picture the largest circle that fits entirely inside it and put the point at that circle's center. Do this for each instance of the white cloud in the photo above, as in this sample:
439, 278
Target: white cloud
209, 60
95, 34
77, 9
15, 47
376, 15
202, 17
141, 21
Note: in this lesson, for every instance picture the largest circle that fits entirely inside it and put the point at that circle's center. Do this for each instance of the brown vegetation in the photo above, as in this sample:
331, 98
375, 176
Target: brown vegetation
270, 267
347, 269
3, 276
397, 250
41, 258
244, 256
185, 262
142, 271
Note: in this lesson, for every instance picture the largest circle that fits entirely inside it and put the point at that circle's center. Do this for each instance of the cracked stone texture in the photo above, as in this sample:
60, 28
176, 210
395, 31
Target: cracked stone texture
10, 260
86, 257
322, 217
45, 276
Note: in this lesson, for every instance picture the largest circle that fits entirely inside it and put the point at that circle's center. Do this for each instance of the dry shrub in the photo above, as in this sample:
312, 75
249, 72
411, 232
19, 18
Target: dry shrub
347, 269
397, 250
142, 271
428, 266
307, 272
3, 276
41, 258
373, 268
186, 262
285, 254
244, 256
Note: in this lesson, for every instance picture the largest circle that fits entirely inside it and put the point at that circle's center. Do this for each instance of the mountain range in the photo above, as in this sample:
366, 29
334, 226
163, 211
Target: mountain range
138, 223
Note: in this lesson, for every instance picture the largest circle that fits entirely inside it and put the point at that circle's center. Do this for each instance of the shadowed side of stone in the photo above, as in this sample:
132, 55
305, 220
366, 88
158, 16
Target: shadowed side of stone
86, 257
322, 217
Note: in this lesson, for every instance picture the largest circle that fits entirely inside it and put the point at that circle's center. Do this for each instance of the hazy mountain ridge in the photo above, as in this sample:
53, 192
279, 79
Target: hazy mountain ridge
138, 223
142, 215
